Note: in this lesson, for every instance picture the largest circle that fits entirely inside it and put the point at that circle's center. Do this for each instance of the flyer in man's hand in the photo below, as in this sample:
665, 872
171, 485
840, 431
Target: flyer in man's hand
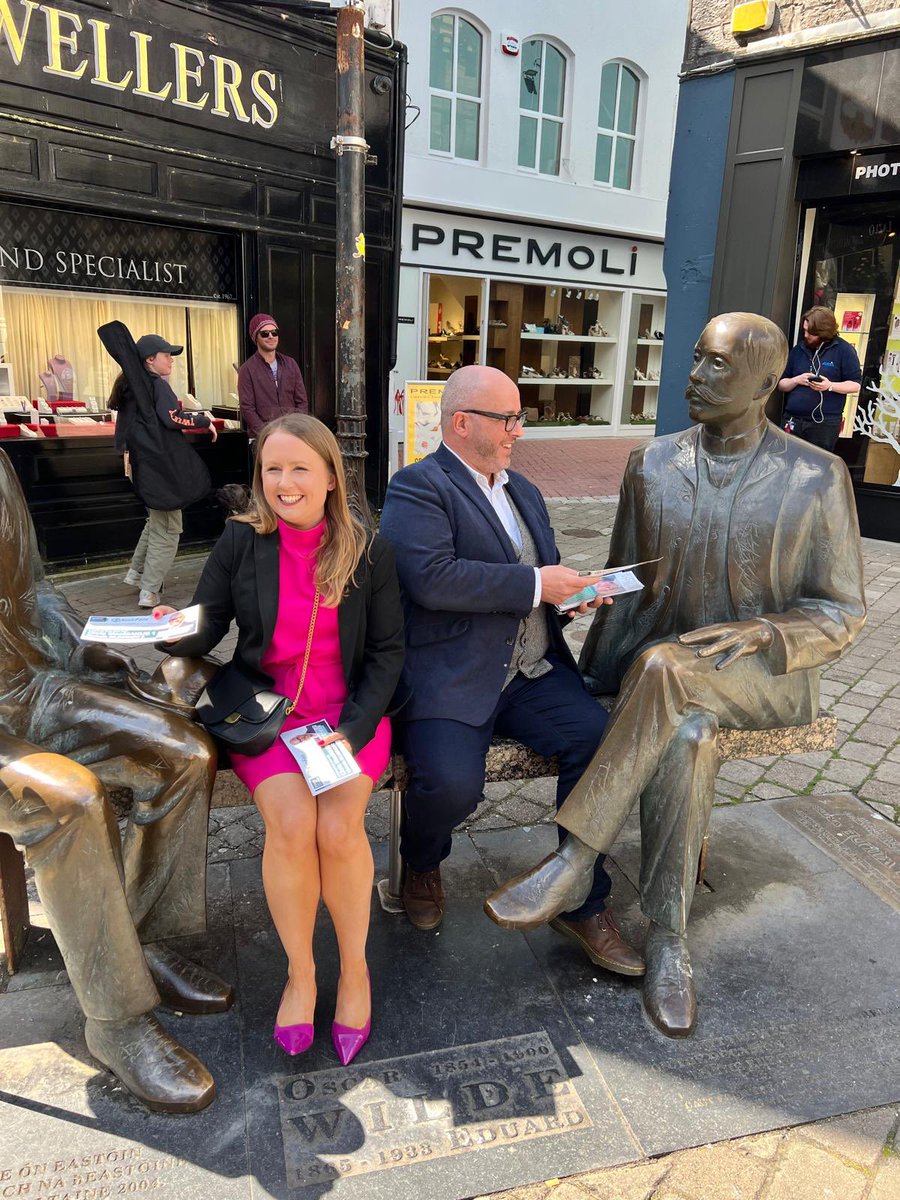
614, 581
619, 583
323, 767
129, 631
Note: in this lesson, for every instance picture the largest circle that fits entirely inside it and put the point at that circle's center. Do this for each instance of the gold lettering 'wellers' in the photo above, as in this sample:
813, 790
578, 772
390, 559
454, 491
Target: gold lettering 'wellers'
78, 49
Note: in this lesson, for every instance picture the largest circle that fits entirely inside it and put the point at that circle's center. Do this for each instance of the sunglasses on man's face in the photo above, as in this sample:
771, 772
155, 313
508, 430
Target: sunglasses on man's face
268, 333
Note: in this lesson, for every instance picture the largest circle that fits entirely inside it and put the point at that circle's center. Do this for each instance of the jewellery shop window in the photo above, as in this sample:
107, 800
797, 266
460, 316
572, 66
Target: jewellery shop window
855, 270
54, 371
455, 305
558, 342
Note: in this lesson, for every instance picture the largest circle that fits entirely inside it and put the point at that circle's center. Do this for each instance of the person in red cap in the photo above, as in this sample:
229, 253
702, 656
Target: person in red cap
269, 383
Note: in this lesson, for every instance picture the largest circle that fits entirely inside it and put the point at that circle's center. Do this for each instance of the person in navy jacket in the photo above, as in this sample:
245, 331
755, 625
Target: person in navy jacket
821, 371
480, 576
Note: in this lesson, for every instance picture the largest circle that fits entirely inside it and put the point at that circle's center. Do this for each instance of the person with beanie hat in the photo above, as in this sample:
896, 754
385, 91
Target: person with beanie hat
269, 383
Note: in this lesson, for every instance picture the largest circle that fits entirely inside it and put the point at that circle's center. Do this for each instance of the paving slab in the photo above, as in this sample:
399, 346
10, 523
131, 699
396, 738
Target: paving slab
474, 1078
790, 1029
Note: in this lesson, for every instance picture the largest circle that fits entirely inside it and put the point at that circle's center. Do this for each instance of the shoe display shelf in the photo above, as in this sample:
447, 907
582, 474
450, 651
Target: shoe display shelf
454, 324
643, 363
570, 331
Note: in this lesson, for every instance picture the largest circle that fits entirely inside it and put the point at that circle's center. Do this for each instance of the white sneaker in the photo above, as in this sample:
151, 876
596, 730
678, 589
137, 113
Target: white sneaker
148, 599
133, 578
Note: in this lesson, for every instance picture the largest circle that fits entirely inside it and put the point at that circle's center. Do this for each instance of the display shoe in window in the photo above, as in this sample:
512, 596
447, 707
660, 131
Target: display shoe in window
597, 330
658, 333
639, 374
645, 333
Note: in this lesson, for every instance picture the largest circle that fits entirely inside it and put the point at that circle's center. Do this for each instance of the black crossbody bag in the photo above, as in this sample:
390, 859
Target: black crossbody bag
243, 717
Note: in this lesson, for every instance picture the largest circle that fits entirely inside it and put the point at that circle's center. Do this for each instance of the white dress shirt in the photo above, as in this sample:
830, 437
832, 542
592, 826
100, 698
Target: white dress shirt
499, 501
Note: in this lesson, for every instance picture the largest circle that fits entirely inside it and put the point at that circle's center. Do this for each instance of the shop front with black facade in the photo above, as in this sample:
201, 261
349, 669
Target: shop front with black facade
169, 165
809, 164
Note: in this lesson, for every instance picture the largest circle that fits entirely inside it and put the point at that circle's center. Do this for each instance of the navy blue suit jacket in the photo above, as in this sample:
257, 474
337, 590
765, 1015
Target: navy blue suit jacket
464, 591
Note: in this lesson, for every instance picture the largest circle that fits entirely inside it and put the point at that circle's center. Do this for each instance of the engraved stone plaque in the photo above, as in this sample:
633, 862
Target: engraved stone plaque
849, 833
423, 1107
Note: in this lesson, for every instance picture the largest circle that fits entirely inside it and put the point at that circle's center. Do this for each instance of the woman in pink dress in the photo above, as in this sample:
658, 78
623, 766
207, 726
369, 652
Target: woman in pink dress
298, 558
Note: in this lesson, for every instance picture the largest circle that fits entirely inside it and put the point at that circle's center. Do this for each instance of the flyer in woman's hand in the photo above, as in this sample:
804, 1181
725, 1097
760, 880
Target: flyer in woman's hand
128, 631
323, 767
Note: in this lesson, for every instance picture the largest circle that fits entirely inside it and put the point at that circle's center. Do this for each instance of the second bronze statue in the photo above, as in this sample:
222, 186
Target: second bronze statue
760, 584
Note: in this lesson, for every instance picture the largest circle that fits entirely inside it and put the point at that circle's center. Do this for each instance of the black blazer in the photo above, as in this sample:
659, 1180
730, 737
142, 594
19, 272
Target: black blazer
240, 582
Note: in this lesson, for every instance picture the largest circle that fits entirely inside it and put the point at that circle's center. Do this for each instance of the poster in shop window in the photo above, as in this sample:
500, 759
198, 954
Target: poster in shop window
423, 419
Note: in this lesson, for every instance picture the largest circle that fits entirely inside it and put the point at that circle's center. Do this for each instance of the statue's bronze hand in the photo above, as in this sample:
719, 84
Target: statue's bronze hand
93, 658
739, 639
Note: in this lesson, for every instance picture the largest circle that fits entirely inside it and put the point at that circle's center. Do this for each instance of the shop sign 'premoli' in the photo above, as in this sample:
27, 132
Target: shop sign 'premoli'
435, 239
103, 56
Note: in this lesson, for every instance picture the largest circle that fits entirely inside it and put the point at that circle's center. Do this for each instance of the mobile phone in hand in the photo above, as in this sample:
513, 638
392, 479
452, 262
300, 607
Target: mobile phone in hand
817, 379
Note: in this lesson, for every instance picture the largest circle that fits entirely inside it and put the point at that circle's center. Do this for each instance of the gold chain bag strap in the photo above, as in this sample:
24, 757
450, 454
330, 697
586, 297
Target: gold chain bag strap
306, 654
243, 717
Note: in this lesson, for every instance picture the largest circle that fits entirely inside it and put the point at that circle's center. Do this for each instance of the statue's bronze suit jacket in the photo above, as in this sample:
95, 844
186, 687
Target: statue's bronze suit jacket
793, 558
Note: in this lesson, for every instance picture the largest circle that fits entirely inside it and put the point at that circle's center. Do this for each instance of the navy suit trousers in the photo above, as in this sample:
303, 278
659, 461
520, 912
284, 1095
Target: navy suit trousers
553, 715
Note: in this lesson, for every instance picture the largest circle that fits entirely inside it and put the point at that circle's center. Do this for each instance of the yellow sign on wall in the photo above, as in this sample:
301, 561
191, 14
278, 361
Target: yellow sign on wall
423, 419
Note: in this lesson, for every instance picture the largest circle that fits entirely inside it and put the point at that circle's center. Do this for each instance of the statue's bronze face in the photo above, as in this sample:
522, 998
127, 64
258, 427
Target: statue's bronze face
723, 384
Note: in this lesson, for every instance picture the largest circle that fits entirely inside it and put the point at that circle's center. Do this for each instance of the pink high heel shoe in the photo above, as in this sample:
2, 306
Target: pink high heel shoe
349, 1041
293, 1039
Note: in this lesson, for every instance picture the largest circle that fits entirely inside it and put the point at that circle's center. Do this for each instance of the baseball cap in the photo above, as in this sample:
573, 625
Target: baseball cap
152, 343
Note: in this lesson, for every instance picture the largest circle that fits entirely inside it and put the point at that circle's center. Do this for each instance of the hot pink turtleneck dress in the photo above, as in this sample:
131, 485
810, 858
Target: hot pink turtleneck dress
325, 689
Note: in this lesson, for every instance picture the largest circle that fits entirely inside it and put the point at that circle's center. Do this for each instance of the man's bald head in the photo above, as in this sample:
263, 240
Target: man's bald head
471, 396
470, 387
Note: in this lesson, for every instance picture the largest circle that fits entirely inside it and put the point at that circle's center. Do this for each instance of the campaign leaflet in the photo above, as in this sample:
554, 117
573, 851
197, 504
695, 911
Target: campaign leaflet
129, 631
323, 767
616, 583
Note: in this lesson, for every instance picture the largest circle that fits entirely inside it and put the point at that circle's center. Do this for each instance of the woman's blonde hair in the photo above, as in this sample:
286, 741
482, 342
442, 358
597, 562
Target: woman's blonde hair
345, 538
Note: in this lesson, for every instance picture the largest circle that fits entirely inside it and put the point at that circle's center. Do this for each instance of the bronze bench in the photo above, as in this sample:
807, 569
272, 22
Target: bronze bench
507, 761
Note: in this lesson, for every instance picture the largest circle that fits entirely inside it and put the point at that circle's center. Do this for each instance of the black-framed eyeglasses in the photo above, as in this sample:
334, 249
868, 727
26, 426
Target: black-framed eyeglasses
268, 333
510, 420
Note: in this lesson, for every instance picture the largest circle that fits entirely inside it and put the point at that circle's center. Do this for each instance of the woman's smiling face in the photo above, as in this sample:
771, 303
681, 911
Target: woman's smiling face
295, 480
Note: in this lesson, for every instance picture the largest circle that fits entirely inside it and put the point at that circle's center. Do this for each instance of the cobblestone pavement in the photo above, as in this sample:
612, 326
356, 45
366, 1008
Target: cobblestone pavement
849, 1158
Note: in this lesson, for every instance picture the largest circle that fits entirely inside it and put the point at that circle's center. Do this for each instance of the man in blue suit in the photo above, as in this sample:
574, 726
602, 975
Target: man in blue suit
480, 574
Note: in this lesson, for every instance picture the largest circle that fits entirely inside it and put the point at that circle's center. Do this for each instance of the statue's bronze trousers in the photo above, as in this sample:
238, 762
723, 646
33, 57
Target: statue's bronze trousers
102, 899
661, 745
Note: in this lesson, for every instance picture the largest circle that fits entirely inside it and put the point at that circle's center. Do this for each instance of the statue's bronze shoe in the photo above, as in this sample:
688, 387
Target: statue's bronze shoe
148, 1061
668, 996
539, 895
184, 986
601, 939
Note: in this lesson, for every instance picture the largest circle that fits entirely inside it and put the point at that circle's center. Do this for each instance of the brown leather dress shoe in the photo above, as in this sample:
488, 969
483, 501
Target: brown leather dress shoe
423, 898
668, 996
185, 986
149, 1062
600, 939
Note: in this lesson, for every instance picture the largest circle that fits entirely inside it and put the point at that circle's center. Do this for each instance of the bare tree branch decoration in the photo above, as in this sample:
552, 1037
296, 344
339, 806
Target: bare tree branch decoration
881, 420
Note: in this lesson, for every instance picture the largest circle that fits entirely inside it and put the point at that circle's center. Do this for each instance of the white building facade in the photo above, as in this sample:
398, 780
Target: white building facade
536, 178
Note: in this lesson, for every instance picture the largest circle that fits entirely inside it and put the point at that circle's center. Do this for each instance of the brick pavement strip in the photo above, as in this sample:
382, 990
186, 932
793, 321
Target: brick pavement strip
856, 1157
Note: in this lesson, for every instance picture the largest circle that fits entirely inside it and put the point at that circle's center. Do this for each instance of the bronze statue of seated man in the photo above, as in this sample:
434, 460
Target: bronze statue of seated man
758, 586
65, 738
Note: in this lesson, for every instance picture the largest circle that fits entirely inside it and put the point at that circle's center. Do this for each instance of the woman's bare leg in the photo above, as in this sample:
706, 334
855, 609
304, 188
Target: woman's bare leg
347, 872
292, 885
